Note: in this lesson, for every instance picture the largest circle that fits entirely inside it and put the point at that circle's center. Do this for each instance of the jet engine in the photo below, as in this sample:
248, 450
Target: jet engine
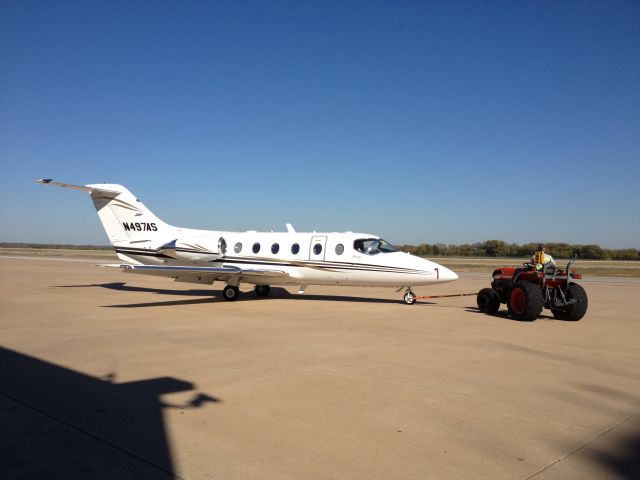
195, 249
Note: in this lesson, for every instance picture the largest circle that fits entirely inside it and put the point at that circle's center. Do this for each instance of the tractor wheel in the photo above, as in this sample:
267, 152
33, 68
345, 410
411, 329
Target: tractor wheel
575, 311
488, 301
525, 301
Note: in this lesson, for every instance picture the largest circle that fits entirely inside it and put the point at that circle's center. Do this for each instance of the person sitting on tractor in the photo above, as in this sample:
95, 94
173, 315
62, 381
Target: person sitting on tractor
541, 257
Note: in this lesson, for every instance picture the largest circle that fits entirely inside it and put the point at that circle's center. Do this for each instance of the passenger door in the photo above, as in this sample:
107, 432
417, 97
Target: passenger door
317, 247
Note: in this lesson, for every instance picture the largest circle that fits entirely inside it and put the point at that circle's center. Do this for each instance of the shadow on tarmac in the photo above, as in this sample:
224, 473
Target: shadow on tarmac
615, 450
504, 314
623, 457
58, 423
214, 296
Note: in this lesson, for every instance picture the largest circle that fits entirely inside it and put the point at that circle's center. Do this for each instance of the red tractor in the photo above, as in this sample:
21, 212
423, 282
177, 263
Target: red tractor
526, 291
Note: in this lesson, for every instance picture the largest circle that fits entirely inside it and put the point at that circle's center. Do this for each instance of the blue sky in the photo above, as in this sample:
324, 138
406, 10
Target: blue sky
447, 122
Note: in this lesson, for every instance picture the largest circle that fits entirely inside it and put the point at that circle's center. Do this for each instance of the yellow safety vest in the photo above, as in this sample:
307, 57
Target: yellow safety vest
538, 258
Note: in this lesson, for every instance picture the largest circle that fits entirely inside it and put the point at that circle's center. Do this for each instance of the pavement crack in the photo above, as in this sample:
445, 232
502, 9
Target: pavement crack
582, 445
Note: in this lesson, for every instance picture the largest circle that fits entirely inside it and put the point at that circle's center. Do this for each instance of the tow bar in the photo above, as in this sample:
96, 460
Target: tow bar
410, 297
425, 297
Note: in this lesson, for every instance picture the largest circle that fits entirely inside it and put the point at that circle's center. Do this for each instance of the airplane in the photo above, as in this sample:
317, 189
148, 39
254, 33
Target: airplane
152, 247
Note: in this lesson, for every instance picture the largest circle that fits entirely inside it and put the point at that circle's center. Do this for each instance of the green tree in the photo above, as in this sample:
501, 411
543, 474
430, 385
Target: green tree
494, 248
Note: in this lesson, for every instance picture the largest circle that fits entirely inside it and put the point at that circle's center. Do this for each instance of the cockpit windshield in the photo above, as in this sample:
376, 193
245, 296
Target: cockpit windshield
373, 246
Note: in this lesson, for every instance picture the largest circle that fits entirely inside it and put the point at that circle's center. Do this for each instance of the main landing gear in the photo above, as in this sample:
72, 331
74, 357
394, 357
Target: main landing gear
409, 297
262, 290
231, 293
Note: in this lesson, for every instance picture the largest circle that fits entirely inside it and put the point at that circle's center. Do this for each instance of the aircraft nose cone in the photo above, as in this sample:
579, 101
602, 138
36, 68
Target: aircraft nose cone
446, 275
450, 274
435, 273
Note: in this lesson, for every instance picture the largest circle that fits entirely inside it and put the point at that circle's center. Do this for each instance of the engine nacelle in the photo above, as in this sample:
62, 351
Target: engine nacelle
195, 249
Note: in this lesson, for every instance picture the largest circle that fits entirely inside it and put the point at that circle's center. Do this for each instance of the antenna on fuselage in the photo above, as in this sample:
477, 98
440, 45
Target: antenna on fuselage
290, 228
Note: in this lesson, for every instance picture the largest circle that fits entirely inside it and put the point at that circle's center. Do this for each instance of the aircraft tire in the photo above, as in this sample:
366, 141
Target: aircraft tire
263, 290
231, 293
409, 298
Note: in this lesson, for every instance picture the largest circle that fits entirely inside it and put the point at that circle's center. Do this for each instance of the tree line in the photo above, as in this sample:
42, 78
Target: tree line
499, 248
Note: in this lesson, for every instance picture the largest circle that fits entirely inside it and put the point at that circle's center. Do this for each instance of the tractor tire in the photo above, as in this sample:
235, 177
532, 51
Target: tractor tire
488, 301
575, 311
525, 301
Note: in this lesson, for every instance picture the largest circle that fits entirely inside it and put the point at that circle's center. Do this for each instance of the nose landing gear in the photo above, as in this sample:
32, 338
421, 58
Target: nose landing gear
409, 297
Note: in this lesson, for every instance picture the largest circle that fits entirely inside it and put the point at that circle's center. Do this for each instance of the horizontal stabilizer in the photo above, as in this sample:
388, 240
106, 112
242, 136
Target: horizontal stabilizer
84, 188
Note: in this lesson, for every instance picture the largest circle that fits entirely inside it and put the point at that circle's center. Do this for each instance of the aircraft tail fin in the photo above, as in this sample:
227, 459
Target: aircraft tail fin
123, 216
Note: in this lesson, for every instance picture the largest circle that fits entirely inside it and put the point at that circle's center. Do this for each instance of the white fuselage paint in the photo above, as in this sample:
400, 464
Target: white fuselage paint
324, 266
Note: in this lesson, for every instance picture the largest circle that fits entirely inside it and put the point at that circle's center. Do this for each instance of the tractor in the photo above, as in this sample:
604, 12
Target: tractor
527, 290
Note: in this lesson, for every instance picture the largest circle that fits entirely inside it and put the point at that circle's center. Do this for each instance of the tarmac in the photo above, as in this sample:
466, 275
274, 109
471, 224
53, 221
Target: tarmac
106, 375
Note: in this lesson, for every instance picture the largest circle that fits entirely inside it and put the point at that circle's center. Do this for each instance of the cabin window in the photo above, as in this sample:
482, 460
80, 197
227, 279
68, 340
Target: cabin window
275, 248
237, 247
373, 246
295, 248
317, 249
339, 249
222, 246
256, 247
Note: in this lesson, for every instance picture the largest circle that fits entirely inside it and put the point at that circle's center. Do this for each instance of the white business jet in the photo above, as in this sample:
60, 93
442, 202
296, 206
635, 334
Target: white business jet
151, 247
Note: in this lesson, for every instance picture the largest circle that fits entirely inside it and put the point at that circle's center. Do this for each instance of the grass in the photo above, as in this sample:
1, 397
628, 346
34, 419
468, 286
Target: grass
600, 268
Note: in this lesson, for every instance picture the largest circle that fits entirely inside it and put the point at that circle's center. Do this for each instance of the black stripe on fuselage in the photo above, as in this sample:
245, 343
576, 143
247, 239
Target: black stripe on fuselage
301, 262
319, 264
141, 251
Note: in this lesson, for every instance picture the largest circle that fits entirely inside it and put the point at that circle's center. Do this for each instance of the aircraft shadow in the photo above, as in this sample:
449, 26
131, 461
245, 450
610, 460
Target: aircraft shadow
214, 296
59, 423
282, 293
209, 296
122, 286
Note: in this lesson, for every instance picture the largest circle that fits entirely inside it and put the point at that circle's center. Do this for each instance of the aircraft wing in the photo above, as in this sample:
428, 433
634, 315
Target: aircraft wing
189, 274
